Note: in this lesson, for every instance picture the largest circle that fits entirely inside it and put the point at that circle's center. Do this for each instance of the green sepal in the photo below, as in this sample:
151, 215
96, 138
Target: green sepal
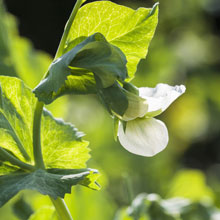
124, 125
114, 99
74, 71
116, 125
131, 88
46, 182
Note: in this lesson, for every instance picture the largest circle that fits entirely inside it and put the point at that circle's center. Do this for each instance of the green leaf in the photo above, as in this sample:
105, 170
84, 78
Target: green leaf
16, 118
54, 185
129, 30
114, 99
67, 150
62, 143
89, 181
72, 72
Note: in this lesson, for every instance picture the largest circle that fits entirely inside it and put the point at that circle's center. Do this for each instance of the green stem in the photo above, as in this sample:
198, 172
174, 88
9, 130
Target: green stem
67, 27
62, 209
13, 160
38, 158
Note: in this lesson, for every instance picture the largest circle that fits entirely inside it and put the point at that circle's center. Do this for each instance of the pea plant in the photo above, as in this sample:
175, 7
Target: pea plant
99, 51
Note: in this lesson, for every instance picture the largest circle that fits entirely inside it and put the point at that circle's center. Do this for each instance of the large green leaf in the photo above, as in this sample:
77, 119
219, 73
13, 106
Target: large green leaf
72, 72
62, 145
123, 27
54, 185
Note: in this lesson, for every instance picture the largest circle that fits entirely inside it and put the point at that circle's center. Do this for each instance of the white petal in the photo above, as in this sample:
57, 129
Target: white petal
137, 107
144, 136
160, 97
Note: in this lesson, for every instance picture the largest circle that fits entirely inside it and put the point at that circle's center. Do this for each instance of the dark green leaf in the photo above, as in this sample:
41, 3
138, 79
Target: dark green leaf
22, 209
74, 71
47, 183
114, 99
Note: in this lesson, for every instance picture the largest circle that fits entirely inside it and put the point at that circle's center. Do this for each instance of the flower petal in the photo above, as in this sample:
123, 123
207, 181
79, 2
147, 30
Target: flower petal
160, 97
144, 136
137, 107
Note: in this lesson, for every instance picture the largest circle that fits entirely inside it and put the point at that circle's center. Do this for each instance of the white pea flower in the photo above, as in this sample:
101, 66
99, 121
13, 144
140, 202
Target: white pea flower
145, 135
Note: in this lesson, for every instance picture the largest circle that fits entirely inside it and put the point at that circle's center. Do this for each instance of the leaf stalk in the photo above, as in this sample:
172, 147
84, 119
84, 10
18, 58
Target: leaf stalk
62, 209
13, 160
38, 157
67, 28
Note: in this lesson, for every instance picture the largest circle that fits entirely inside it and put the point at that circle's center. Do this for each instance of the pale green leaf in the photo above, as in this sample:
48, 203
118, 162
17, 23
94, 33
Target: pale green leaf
67, 150
62, 145
123, 27
61, 142
16, 118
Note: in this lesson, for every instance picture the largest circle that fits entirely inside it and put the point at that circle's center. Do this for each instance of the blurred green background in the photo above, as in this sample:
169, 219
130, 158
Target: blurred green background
185, 50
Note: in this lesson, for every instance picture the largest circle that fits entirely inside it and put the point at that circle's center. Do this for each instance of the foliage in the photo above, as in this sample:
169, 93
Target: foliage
151, 206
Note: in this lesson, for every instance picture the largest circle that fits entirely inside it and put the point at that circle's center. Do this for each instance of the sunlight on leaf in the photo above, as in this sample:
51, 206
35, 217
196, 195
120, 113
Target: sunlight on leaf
123, 27
62, 147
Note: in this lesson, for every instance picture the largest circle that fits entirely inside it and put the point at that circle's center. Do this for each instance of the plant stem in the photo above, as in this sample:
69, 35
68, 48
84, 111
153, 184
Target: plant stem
38, 158
67, 28
62, 209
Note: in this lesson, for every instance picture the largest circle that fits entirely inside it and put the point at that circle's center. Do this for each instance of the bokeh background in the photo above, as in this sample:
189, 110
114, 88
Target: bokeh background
185, 50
